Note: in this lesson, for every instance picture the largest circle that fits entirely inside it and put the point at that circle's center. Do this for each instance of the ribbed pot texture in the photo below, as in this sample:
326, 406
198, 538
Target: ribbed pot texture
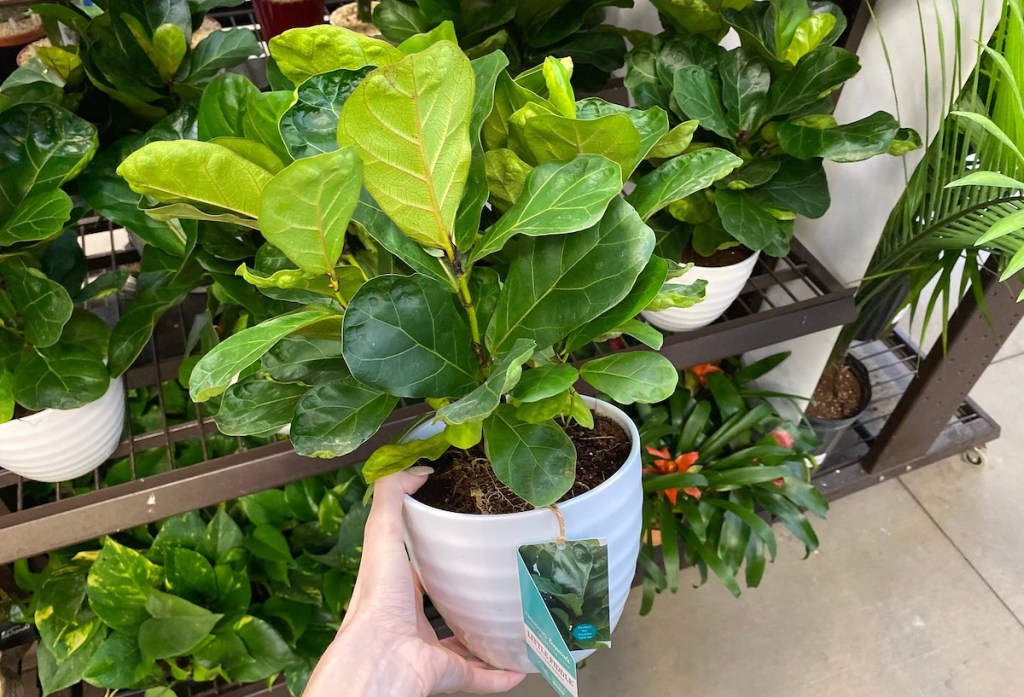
724, 286
467, 563
55, 445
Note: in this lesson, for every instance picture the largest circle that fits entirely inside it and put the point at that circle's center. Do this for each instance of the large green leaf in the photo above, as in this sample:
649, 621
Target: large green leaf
117, 663
635, 376
119, 583
223, 106
799, 186
680, 177
43, 305
395, 457
642, 80
307, 206
221, 49
542, 137
215, 370
557, 198
751, 225
135, 326
175, 627
38, 217
699, 96
306, 357
41, 147
410, 124
486, 70
536, 461
651, 124
545, 381
64, 627
303, 53
54, 676
310, 125
262, 120
256, 405
190, 171
59, 377
335, 418
375, 222
189, 575
870, 136
484, 399
558, 283
404, 335
745, 80
817, 74
398, 20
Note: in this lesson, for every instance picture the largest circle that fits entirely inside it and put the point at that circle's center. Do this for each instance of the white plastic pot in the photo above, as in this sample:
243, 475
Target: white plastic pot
55, 445
467, 563
724, 286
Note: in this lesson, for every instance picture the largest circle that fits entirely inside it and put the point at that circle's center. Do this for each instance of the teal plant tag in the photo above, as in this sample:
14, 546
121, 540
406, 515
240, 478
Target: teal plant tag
564, 591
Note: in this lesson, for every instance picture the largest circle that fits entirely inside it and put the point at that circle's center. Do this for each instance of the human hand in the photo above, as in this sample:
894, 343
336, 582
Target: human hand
386, 647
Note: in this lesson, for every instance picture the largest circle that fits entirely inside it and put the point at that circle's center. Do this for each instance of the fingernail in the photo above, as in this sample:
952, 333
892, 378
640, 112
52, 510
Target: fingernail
420, 470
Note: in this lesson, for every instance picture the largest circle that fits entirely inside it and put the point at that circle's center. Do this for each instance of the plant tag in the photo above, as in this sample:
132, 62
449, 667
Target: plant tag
565, 606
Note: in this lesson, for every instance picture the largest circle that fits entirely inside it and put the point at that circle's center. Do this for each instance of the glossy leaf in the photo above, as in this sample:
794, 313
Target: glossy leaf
335, 418
116, 663
223, 106
751, 225
403, 335
398, 20
119, 583
175, 628
536, 461
870, 136
557, 198
818, 73
221, 49
215, 370
303, 53
799, 186
196, 172
699, 96
678, 295
54, 677
262, 120
135, 326
506, 175
395, 457
680, 177
558, 283
43, 305
189, 575
409, 122
59, 377
634, 376
544, 381
306, 357
255, 406
445, 31
745, 81
310, 125
552, 138
505, 374
307, 206
38, 217
41, 147
675, 141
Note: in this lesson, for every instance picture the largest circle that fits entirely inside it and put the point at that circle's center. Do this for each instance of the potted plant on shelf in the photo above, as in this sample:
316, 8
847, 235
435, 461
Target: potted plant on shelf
962, 203
61, 412
427, 285
721, 465
526, 32
767, 102
19, 26
250, 590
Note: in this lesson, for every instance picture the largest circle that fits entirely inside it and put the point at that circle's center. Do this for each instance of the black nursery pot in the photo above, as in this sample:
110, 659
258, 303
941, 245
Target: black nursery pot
876, 321
831, 431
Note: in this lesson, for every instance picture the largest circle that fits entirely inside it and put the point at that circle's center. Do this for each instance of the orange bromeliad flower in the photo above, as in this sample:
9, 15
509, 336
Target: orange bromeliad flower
666, 464
702, 371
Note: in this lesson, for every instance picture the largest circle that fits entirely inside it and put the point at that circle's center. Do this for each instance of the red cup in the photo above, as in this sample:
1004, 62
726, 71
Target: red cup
277, 16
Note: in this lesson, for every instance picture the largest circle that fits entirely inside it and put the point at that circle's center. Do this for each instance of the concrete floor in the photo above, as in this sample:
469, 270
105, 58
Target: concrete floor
917, 591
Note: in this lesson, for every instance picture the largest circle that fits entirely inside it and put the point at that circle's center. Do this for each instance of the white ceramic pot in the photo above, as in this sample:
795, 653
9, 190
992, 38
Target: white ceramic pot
467, 563
55, 445
724, 286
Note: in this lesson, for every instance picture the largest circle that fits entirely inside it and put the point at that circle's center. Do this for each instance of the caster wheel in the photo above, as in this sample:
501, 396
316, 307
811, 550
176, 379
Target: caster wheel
974, 456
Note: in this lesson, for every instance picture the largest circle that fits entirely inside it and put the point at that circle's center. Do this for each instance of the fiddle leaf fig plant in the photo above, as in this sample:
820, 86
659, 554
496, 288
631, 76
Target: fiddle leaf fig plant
51, 353
407, 271
766, 102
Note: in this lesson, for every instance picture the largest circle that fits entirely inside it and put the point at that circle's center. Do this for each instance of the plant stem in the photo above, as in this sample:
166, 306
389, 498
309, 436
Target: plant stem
351, 260
333, 283
467, 301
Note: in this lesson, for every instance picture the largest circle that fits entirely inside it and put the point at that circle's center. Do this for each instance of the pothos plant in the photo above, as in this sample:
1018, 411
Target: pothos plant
408, 280
245, 592
525, 30
51, 353
721, 465
766, 101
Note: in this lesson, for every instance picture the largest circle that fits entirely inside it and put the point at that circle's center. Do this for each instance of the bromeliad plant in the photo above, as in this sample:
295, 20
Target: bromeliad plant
526, 31
768, 103
51, 353
251, 590
722, 463
408, 277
